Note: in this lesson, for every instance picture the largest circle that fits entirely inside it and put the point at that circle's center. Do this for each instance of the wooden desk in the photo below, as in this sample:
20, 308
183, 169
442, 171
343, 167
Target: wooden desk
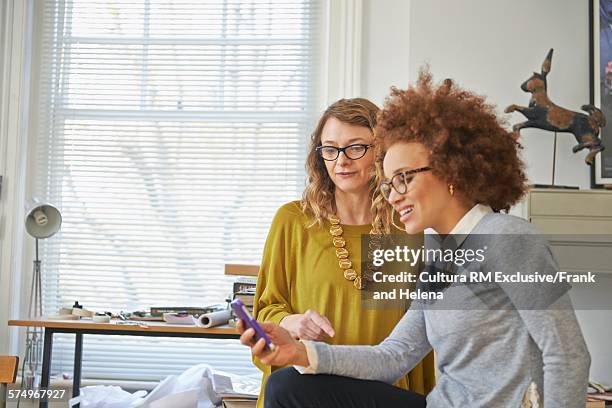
114, 328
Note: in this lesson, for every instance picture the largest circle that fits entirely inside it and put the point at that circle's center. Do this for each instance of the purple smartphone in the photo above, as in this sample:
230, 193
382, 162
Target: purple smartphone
249, 321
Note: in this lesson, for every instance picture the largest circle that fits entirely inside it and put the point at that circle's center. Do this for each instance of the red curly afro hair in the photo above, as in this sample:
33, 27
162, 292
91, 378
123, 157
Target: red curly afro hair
469, 146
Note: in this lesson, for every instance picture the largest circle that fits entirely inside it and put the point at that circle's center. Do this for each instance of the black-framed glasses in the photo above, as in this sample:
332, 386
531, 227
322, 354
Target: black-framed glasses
353, 152
400, 182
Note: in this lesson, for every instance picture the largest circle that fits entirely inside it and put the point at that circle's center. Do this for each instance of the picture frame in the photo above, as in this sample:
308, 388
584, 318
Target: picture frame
600, 81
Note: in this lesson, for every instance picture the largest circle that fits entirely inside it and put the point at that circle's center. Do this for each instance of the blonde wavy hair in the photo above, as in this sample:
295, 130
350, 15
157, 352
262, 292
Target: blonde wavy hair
318, 200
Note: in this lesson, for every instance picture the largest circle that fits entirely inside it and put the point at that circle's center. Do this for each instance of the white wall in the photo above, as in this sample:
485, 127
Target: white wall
492, 46
385, 53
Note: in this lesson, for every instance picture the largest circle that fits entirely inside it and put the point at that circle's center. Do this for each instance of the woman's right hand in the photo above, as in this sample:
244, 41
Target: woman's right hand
308, 326
285, 350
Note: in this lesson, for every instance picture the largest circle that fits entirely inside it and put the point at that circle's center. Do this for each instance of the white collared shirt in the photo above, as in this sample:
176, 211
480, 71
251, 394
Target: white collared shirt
467, 223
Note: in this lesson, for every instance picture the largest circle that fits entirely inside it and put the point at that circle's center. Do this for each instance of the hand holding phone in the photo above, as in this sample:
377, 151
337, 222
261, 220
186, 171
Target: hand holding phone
284, 351
249, 321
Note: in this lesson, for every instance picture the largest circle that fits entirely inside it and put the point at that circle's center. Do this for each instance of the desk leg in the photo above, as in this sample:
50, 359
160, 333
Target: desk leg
78, 362
46, 366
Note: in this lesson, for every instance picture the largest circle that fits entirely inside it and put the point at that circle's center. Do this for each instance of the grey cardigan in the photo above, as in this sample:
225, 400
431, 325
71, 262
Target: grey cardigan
486, 358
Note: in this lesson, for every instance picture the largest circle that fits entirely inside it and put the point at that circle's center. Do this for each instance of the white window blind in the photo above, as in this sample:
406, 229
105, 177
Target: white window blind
170, 132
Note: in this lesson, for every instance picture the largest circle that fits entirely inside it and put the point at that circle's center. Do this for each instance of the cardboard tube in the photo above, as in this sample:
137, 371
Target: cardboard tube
214, 319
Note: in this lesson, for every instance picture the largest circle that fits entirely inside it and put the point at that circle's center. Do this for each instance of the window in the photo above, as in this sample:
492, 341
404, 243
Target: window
169, 133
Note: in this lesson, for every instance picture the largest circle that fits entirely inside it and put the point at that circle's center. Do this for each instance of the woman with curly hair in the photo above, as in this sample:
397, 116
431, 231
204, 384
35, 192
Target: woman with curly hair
311, 277
449, 166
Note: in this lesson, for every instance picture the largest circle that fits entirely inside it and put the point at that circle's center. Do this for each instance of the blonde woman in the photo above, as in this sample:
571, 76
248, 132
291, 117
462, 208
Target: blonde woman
311, 279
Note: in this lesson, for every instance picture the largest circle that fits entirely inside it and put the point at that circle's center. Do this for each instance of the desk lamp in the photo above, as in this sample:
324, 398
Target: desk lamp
42, 221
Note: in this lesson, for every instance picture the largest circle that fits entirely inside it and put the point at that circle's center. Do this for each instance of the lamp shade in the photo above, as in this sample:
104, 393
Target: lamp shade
43, 220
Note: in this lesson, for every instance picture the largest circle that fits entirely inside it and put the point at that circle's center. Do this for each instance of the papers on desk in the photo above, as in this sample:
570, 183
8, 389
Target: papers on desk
180, 318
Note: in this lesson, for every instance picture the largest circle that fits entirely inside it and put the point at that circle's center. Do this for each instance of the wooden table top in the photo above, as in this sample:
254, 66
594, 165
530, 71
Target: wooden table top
119, 325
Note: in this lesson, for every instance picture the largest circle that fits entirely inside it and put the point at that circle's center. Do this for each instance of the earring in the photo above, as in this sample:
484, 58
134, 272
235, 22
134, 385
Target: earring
451, 189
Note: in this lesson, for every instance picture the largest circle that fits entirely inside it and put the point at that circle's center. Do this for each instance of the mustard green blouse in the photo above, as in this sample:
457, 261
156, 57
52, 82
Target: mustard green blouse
299, 271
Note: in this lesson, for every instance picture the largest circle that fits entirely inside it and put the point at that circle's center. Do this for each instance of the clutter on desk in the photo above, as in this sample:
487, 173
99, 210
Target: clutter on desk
195, 311
180, 318
207, 316
601, 397
215, 318
595, 403
243, 289
157, 313
63, 316
598, 394
598, 388
210, 316
243, 283
144, 316
71, 313
101, 318
142, 325
248, 298
206, 320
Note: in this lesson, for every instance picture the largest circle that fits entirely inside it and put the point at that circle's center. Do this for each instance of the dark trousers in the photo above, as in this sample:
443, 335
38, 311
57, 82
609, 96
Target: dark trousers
286, 388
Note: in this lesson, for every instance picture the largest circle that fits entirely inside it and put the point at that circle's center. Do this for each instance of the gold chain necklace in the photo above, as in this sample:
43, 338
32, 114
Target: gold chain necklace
342, 253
